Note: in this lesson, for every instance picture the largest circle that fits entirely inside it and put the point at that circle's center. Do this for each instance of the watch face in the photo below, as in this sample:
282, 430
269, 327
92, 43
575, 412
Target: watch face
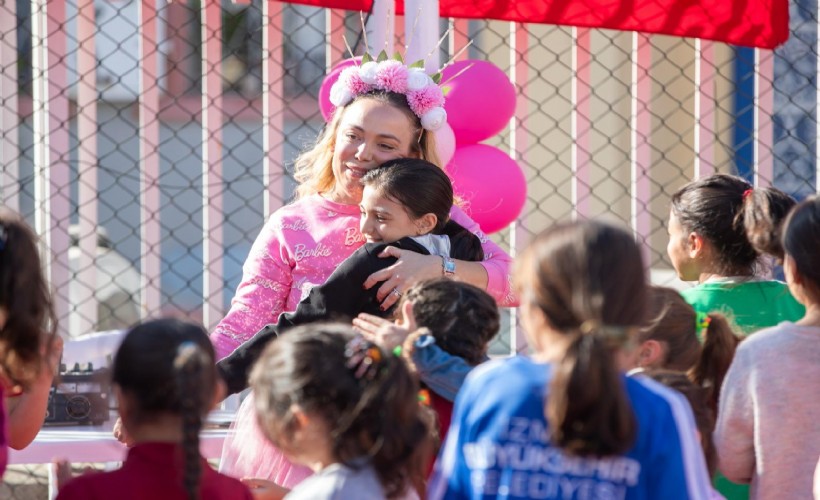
449, 266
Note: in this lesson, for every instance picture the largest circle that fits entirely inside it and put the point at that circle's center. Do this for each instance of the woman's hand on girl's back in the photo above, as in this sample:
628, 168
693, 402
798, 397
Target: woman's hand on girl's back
411, 268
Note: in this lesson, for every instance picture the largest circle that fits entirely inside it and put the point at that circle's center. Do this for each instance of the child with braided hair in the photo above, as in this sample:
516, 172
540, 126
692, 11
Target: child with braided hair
353, 418
165, 383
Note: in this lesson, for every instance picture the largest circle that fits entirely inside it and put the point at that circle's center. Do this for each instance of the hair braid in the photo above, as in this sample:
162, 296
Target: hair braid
189, 366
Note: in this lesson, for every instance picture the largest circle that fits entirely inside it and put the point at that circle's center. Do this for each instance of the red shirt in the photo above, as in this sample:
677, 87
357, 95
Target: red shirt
152, 471
4, 443
444, 412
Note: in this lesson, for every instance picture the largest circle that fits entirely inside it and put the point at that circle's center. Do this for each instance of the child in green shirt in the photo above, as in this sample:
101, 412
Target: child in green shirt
721, 229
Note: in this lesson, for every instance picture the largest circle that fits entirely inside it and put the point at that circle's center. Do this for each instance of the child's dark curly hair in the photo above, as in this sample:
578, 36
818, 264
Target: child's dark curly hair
462, 318
26, 337
366, 397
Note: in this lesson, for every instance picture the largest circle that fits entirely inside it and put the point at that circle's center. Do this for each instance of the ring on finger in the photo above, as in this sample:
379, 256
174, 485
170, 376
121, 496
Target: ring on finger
396, 292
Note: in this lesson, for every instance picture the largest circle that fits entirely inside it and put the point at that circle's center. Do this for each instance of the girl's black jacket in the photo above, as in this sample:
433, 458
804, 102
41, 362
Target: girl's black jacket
341, 298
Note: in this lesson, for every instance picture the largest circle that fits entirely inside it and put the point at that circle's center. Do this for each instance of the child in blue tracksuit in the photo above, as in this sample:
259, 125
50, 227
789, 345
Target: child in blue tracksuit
567, 423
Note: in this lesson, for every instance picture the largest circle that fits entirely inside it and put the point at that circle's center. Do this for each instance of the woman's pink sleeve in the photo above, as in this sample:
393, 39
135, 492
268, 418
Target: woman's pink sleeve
496, 261
262, 294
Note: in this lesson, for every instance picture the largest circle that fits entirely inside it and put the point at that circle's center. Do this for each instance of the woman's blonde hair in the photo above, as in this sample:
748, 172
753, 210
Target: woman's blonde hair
313, 169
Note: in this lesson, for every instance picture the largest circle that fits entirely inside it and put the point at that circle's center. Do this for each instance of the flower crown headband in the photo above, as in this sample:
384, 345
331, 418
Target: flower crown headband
424, 96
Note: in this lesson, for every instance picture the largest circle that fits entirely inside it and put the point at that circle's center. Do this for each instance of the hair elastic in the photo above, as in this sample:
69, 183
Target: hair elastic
363, 358
702, 322
614, 336
748, 193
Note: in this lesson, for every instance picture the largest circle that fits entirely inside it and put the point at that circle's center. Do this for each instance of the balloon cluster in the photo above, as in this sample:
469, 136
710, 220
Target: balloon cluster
480, 102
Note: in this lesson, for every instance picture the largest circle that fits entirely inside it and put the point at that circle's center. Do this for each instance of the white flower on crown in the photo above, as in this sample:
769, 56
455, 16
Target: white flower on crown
340, 95
367, 72
418, 79
434, 119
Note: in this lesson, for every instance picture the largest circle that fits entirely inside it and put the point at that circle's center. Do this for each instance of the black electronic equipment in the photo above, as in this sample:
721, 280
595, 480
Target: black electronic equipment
80, 396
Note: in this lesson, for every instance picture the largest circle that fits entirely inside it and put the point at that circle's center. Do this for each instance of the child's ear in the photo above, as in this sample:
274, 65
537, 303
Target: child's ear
790, 270
426, 223
695, 244
123, 403
220, 392
650, 353
408, 319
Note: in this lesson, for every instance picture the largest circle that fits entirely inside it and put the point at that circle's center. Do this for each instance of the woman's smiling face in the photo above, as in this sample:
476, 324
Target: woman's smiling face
370, 133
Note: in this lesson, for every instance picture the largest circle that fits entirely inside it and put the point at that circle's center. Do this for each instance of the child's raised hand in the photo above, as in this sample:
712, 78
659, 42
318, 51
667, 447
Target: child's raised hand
385, 332
262, 489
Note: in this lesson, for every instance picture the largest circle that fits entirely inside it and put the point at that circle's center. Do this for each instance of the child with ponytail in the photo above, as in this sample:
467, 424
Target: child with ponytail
720, 231
680, 339
165, 384
566, 422
353, 417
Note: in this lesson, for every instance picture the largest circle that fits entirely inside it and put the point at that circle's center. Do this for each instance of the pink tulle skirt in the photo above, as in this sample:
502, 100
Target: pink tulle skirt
247, 452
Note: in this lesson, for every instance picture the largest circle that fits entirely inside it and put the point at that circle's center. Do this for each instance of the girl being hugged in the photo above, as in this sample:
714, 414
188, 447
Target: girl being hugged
384, 111
719, 228
406, 204
767, 431
165, 383
354, 418
567, 423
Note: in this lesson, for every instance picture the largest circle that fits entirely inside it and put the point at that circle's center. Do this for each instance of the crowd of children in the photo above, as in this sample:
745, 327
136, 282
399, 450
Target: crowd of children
362, 327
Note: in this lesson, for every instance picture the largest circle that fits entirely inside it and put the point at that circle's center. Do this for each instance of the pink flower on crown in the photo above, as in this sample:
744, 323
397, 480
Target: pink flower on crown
391, 76
352, 81
426, 99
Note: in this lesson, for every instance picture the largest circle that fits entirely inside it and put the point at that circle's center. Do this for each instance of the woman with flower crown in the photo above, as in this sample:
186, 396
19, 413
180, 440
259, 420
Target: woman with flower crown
384, 110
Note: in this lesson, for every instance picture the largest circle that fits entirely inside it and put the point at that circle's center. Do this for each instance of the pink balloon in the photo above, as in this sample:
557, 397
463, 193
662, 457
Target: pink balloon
325, 106
480, 102
490, 183
445, 143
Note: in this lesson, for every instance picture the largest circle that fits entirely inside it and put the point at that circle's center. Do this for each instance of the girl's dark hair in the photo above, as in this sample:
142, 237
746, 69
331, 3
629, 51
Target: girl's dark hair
703, 412
423, 188
167, 366
462, 318
801, 240
717, 353
588, 280
674, 323
741, 222
374, 415
24, 294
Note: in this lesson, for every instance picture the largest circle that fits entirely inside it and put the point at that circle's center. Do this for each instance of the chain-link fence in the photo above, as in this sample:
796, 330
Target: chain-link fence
109, 153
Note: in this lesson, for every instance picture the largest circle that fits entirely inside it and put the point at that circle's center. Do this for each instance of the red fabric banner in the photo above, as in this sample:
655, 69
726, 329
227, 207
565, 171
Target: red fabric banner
362, 5
752, 23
